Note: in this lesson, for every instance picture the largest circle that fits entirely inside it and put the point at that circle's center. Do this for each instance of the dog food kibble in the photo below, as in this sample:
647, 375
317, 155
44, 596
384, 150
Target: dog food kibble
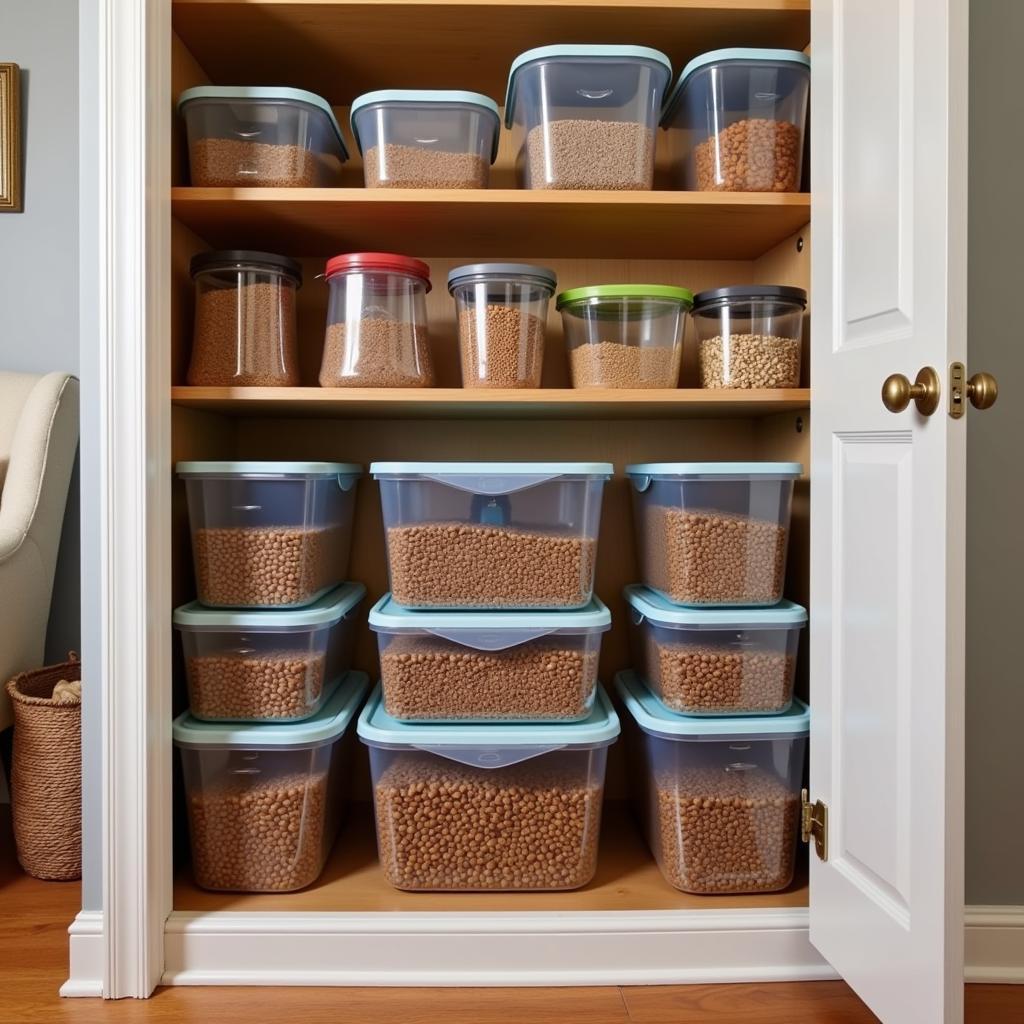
258, 833
705, 557
725, 831
750, 361
753, 155
609, 364
445, 825
471, 565
386, 356
232, 163
502, 349
257, 685
576, 153
418, 167
426, 678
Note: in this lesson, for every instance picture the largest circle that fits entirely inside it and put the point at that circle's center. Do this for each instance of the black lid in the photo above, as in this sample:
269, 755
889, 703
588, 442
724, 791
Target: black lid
749, 293
225, 258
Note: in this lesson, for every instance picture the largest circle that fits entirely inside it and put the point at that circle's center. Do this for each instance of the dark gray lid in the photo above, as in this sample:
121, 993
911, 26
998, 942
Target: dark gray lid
541, 275
749, 293
223, 259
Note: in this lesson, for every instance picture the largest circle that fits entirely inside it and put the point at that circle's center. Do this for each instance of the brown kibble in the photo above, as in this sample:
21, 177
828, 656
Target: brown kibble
750, 361
391, 354
754, 155
235, 163
580, 154
511, 345
610, 364
420, 167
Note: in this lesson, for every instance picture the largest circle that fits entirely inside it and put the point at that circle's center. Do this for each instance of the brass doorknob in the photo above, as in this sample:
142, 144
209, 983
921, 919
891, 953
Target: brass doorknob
898, 392
982, 390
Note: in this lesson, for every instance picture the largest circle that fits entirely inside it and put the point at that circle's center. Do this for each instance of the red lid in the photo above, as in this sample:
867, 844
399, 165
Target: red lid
385, 261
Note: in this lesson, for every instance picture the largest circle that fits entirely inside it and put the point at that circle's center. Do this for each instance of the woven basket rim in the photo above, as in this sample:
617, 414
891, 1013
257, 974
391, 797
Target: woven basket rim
65, 669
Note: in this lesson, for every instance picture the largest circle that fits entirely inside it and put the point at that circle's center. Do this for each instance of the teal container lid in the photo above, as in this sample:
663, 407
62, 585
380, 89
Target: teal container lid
657, 720
271, 93
387, 614
328, 610
642, 473
547, 469
324, 727
652, 606
577, 51
269, 470
431, 97
626, 291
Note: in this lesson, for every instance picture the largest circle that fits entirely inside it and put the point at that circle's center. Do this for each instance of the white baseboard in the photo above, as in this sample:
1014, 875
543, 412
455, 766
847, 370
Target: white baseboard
86, 951
994, 945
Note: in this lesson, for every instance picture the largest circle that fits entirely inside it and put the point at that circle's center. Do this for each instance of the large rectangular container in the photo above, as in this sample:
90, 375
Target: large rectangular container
719, 797
477, 807
264, 801
534, 666
507, 535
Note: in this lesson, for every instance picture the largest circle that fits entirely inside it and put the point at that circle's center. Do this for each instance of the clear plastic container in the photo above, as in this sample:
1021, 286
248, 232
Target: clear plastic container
625, 335
713, 533
377, 323
488, 666
266, 666
269, 534
477, 807
264, 801
719, 798
501, 535
245, 325
735, 121
426, 138
265, 136
749, 336
710, 661
502, 316
585, 117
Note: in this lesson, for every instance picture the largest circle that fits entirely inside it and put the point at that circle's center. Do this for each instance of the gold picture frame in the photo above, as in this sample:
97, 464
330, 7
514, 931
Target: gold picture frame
10, 138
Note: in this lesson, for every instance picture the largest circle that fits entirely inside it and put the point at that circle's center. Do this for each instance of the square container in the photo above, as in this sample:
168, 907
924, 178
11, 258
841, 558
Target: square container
719, 798
533, 666
475, 807
625, 335
735, 121
584, 117
502, 316
266, 666
713, 533
496, 535
426, 138
258, 135
269, 534
264, 801
715, 661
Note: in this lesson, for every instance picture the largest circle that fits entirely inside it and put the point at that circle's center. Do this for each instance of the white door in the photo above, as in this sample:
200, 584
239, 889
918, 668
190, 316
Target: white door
889, 157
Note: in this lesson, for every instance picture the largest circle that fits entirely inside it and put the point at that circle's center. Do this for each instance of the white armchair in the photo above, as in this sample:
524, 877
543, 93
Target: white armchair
38, 439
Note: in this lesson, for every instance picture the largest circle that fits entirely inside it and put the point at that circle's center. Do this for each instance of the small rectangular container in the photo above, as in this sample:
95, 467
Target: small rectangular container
265, 801
719, 798
488, 807
535, 666
713, 533
264, 136
585, 117
426, 138
500, 535
715, 661
257, 666
269, 534
736, 119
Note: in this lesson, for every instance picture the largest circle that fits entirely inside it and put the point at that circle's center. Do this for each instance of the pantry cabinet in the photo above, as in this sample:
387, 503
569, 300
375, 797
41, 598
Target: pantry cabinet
877, 544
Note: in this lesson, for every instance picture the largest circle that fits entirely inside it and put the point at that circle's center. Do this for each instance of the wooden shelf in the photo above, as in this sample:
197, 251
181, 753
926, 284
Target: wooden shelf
457, 403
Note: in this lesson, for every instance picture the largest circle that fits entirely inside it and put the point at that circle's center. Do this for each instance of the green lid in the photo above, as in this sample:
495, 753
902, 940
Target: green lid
626, 291
326, 611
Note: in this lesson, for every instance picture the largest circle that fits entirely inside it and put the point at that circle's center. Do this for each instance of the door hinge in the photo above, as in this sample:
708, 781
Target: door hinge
814, 822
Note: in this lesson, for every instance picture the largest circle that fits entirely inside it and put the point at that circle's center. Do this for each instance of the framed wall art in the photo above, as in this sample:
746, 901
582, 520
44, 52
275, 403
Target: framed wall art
10, 138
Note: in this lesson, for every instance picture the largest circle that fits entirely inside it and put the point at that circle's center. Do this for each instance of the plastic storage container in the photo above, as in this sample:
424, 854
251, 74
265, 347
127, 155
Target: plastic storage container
585, 116
736, 119
625, 335
266, 666
719, 797
245, 328
502, 316
265, 801
471, 807
711, 661
749, 336
269, 534
426, 138
258, 135
377, 322
491, 534
488, 666
713, 533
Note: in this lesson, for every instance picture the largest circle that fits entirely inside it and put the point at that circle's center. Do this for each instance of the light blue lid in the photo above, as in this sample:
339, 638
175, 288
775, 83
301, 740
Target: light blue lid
656, 720
387, 614
328, 610
651, 605
642, 473
268, 469
573, 51
433, 97
324, 727
552, 469
265, 92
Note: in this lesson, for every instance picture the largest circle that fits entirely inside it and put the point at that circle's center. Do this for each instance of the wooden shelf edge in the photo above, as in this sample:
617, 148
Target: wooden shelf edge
759, 6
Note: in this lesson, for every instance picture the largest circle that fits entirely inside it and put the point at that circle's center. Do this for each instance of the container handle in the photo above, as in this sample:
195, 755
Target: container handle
641, 483
491, 509
346, 482
636, 616
489, 757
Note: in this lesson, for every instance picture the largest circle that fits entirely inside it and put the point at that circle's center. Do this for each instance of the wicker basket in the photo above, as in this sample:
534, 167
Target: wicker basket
46, 773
